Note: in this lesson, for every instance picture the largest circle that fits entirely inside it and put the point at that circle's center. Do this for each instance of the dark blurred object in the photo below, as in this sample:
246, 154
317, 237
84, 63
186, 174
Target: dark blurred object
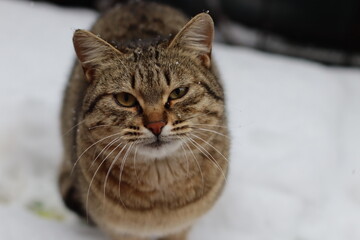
188, 6
322, 30
71, 3
329, 23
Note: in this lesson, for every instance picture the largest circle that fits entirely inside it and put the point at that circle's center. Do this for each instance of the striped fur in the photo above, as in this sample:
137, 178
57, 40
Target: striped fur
116, 171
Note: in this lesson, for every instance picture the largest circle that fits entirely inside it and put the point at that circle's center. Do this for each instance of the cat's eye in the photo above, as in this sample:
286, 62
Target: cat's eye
126, 99
178, 93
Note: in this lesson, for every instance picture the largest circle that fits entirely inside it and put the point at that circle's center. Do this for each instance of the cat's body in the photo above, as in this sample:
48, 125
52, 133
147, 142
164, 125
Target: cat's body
144, 124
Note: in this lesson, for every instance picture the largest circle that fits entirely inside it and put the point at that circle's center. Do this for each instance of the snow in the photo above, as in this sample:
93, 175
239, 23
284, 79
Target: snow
295, 158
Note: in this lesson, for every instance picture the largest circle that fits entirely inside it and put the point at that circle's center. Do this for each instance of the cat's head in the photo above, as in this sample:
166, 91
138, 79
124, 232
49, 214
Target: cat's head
158, 101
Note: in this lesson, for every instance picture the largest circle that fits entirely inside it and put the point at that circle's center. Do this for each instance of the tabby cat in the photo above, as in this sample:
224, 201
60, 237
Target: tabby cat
143, 121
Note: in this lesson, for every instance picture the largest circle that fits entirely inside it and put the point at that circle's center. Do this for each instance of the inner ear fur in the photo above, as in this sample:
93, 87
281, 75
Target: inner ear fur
197, 36
91, 51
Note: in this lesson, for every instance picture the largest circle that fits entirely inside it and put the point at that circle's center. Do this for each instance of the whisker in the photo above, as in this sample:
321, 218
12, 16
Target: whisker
93, 177
100, 126
77, 160
73, 127
212, 131
121, 171
110, 168
187, 159
170, 168
209, 125
197, 163
106, 147
134, 162
209, 156
210, 146
196, 115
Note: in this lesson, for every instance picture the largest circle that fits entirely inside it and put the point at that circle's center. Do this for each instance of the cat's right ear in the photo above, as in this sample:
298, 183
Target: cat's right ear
197, 36
91, 51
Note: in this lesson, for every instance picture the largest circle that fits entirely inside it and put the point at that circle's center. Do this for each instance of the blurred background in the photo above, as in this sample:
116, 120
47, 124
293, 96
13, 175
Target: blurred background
326, 31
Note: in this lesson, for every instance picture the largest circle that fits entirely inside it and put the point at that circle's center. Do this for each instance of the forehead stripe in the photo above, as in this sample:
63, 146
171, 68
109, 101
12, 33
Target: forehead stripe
167, 77
133, 81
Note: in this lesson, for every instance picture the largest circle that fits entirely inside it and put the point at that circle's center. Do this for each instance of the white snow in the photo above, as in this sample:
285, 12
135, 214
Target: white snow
295, 159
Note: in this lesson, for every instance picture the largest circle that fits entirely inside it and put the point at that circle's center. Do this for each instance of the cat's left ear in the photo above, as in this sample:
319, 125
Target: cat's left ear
197, 36
92, 51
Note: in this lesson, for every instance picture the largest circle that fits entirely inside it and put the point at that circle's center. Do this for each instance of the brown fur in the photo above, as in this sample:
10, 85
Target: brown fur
112, 171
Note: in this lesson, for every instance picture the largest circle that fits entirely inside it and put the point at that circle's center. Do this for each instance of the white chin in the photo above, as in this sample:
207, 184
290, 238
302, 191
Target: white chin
157, 152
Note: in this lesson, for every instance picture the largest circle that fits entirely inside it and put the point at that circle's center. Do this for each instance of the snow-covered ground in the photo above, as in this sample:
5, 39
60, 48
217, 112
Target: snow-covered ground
295, 160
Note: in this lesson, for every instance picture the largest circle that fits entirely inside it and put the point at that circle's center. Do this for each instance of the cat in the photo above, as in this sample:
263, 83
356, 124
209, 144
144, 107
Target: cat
144, 125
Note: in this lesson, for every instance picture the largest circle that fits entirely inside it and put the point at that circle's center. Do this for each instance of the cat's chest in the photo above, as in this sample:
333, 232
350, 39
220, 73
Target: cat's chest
159, 175
169, 183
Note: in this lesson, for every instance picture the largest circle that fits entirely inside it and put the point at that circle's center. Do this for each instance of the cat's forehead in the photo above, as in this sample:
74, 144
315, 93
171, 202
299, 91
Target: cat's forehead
149, 81
149, 54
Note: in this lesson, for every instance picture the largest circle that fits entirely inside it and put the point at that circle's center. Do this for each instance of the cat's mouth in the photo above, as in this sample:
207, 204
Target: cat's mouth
157, 144
159, 148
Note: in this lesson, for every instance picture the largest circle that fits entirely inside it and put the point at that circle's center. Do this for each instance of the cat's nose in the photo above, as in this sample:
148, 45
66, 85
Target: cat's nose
155, 127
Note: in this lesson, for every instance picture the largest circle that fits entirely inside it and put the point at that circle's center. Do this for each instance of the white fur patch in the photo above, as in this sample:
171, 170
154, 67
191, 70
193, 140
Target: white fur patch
166, 148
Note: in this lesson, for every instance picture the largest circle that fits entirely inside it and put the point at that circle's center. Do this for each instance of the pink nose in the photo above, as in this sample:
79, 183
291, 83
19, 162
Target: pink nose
155, 127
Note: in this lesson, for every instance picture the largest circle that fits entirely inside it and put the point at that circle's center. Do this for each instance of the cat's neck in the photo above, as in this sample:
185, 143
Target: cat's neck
169, 182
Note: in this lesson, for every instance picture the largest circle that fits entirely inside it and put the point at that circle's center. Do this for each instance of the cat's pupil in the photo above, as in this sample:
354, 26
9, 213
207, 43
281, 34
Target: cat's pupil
126, 97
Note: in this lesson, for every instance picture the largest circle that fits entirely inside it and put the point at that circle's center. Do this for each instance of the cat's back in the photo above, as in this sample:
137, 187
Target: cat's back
139, 23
